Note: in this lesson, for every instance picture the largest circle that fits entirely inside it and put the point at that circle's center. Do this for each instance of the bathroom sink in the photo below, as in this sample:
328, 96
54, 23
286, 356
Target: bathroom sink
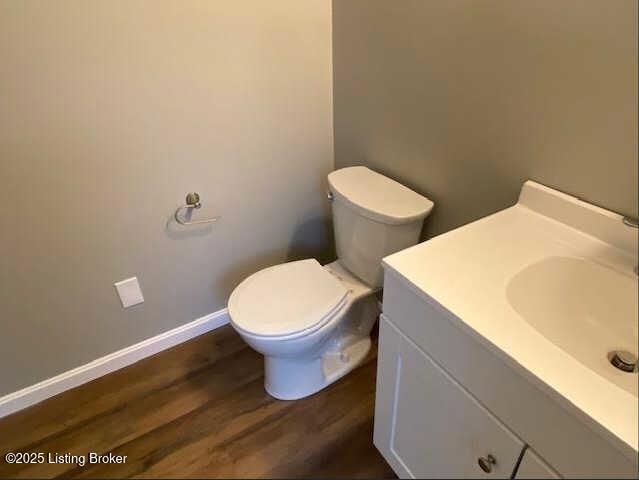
587, 309
549, 285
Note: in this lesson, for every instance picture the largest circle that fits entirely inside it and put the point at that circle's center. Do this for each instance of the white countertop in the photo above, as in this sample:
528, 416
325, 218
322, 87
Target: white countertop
467, 272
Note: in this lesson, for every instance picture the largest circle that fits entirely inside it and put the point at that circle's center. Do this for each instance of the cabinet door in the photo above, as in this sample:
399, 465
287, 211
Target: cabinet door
532, 466
429, 426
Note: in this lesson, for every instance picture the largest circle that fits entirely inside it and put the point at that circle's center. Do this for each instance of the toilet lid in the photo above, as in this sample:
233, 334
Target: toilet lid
286, 299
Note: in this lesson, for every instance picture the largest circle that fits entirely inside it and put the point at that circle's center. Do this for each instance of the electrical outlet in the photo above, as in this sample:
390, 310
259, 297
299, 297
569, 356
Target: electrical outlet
129, 292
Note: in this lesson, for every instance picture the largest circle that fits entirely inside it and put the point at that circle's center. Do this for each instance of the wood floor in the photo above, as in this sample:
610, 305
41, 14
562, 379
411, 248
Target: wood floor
200, 410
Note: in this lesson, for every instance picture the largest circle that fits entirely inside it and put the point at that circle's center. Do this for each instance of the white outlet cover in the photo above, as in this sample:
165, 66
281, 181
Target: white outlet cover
129, 292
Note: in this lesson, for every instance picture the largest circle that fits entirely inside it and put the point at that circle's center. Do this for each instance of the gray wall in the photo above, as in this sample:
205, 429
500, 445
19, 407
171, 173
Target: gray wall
110, 112
464, 100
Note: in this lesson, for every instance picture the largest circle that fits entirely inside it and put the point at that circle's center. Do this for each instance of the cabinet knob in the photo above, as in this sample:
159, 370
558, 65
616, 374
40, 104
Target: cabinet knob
486, 463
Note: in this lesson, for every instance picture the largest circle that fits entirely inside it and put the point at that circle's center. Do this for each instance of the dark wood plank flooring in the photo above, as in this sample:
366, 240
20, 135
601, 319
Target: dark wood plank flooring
200, 410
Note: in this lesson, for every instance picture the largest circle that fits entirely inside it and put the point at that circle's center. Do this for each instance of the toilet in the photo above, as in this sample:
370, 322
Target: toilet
311, 322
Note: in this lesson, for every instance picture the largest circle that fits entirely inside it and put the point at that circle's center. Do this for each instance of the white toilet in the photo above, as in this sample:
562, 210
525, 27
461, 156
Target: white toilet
312, 322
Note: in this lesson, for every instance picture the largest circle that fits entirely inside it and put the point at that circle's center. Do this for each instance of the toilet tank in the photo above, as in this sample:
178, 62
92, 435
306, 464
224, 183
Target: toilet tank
373, 216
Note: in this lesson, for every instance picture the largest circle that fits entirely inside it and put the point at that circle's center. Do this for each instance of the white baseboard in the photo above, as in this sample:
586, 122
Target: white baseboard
109, 363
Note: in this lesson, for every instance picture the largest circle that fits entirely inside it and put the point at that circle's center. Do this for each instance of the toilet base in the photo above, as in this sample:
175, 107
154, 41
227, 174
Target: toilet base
293, 378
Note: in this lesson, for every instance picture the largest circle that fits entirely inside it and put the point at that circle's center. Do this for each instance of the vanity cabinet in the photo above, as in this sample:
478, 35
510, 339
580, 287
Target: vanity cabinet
428, 426
446, 400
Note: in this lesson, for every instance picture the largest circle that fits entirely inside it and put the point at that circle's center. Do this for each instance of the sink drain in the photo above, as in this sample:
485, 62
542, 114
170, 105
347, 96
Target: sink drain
623, 360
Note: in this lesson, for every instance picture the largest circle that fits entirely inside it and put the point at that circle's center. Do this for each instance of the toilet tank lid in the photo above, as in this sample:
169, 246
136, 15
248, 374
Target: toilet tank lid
378, 197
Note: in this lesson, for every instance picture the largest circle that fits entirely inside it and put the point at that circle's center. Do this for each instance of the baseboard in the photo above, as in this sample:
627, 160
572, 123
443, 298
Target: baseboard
109, 363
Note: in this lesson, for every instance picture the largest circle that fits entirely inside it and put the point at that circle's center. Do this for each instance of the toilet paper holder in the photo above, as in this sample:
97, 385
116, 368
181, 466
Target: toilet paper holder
192, 203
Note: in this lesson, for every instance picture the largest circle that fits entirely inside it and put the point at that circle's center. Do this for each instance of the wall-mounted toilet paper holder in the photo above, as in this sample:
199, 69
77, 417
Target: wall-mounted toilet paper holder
192, 203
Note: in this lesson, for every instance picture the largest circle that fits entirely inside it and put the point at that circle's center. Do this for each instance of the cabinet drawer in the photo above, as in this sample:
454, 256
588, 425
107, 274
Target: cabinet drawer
532, 466
435, 429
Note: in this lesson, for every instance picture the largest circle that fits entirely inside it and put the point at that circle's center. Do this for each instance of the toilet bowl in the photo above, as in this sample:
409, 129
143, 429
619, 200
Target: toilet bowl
311, 322
318, 338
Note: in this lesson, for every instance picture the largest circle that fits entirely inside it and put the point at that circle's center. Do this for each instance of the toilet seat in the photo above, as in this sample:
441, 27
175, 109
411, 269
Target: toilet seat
287, 300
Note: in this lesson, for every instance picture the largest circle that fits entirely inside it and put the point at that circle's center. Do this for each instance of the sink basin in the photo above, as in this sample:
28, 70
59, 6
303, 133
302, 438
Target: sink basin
585, 308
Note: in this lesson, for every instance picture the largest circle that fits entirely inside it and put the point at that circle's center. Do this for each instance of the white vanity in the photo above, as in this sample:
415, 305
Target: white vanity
495, 343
